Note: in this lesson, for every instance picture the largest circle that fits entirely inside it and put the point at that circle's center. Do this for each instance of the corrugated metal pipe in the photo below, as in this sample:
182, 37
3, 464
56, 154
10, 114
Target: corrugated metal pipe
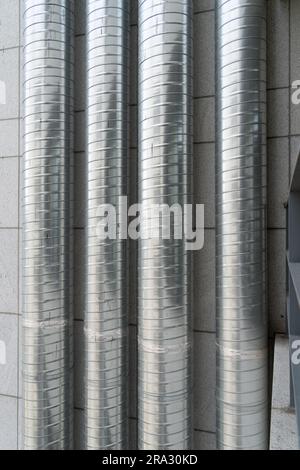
242, 356
47, 243
106, 362
165, 166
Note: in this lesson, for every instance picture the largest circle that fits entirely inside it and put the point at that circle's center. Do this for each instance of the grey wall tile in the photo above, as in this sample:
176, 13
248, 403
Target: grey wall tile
20, 359
133, 126
79, 364
132, 281
278, 181
132, 434
277, 280
9, 135
20, 425
281, 379
132, 244
79, 193
278, 44
133, 70
278, 113
203, 5
204, 180
204, 120
204, 54
9, 195
8, 355
295, 118
78, 429
80, 18
204, 441
9, 423
9, 271
133, 176
204, 285
294, 155
295, 39
132, 372
9, 83
80, 131
80, 73
204, 381
133, 11
79, 258
9, 23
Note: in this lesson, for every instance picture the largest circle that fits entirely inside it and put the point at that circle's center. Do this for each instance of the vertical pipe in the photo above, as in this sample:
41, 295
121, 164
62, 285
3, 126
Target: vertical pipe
105, 303
165, 166
47, 177
242, 356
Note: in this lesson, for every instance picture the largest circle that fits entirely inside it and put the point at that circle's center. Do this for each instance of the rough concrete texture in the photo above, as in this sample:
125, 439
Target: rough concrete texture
283, 419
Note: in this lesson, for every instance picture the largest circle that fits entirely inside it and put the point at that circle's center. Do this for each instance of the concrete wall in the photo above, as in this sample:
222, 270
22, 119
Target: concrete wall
283, 148
9, 222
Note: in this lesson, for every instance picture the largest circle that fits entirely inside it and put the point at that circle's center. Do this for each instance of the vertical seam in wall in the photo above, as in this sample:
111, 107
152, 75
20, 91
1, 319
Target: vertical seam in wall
18, 236
289, 74
212, 229
78, 440
134, 91
289, 150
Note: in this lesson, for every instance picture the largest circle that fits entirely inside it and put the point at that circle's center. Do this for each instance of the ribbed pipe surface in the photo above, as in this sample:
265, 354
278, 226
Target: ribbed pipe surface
47, 243
242, 358
106, 360
165, 166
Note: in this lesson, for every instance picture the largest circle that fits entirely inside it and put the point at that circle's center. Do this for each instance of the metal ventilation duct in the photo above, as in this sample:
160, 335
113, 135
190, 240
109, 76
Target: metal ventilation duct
47, 177
242, 356
165, 166
106, 360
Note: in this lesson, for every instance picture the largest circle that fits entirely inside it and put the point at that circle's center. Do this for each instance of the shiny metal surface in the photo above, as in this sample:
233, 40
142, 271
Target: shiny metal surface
242, 356
47, 210
106, 320
165, 166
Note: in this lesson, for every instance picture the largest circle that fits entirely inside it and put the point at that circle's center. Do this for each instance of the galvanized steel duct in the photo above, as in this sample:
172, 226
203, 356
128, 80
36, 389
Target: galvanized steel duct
106, 321
47, 243
165, 166
242, 358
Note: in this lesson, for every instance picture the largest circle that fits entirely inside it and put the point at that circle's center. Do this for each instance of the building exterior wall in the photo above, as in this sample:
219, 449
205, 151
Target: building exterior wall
283, 149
